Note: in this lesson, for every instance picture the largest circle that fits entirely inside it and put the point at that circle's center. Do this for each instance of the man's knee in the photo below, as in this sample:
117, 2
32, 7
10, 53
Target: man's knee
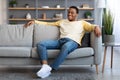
66, 47
69, 47
41, 43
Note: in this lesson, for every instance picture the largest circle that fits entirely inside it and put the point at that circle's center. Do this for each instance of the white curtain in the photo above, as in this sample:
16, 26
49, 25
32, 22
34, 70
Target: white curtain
3, 11
113, 5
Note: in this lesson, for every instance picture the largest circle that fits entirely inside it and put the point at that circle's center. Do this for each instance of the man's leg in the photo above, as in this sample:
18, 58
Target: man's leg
42, 47
65, 50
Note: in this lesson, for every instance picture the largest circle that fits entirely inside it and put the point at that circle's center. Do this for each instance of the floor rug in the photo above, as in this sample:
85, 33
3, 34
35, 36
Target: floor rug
61, 74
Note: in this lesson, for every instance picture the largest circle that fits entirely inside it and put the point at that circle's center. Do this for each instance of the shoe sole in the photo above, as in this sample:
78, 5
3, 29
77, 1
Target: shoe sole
43, 76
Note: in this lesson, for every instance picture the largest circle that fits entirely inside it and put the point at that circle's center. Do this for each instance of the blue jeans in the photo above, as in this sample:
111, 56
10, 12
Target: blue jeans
65, 45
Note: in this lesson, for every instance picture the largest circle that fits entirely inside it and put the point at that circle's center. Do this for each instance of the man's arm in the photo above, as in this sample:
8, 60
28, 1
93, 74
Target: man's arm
57, 23
90, 27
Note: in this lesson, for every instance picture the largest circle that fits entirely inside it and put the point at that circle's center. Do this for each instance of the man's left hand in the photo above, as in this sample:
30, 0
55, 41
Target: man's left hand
97, 31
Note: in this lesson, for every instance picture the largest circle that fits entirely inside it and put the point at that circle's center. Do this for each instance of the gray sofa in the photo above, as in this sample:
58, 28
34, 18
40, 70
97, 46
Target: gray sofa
18, 46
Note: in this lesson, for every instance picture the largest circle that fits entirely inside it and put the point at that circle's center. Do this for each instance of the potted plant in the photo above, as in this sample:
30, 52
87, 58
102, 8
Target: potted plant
108, 22
13, 3
87, 14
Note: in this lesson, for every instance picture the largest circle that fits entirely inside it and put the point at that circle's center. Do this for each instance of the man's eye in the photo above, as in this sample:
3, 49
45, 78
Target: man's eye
70, 12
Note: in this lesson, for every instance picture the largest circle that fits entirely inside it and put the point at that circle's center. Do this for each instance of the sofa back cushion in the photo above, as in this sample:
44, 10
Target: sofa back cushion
16, 35
45, 32
86, 40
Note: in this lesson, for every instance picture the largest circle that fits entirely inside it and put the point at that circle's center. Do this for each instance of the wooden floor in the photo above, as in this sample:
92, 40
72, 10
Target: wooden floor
114, 73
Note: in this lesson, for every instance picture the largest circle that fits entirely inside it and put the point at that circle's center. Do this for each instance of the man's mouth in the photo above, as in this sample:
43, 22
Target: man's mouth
70, 16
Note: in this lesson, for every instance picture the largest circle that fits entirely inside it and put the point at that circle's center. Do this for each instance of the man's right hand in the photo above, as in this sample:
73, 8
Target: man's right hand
29, 23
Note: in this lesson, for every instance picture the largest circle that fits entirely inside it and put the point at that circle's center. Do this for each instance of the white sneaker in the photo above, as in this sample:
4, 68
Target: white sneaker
44, 75
45, 71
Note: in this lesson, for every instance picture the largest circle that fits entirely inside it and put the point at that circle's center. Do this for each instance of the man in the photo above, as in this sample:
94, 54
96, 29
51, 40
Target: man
71, 33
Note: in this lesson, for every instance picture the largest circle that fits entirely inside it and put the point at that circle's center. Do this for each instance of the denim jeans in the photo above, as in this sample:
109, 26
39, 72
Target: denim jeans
65, 45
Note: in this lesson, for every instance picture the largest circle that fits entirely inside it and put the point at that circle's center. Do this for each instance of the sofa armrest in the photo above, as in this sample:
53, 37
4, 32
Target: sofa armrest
96, 43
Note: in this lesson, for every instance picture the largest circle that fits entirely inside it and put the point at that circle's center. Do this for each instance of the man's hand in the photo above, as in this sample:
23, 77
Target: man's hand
29, 23
97, 31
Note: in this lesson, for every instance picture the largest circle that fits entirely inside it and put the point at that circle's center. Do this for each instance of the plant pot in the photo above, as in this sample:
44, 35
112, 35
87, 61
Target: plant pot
109, 38
13, 5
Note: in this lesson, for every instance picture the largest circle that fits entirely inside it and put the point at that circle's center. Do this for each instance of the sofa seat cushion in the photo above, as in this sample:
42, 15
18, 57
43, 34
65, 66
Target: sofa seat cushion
80, 52
15, 51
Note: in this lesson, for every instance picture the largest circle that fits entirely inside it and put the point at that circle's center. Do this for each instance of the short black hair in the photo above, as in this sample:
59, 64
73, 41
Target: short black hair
77, 10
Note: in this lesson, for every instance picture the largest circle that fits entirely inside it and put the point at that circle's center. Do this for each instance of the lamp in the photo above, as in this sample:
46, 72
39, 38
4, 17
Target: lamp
101, 4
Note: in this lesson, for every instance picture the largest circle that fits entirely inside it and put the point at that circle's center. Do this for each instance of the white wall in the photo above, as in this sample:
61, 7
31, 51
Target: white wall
3, 11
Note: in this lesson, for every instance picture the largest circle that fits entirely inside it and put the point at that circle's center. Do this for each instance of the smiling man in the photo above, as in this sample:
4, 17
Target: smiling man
72, 31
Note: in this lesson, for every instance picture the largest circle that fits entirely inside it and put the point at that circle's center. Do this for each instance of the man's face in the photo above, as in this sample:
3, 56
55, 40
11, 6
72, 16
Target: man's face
72, 14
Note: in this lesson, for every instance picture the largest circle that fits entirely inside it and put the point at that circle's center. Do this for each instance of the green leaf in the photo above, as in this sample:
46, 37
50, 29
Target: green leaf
108, 22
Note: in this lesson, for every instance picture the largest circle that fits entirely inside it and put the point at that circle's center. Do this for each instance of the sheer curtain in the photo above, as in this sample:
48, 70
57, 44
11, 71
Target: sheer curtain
3, 11
113, 5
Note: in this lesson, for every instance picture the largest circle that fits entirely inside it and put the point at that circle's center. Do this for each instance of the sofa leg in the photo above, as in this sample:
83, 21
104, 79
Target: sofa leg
96, 68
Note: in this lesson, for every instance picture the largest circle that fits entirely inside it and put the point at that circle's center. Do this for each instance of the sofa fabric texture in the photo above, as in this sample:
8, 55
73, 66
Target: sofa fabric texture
44, 32
16, 35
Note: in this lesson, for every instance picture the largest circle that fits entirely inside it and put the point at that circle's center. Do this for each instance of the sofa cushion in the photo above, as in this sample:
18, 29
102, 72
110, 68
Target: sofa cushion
86, 40
80, 52
44, 32
16, 35
15, 51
